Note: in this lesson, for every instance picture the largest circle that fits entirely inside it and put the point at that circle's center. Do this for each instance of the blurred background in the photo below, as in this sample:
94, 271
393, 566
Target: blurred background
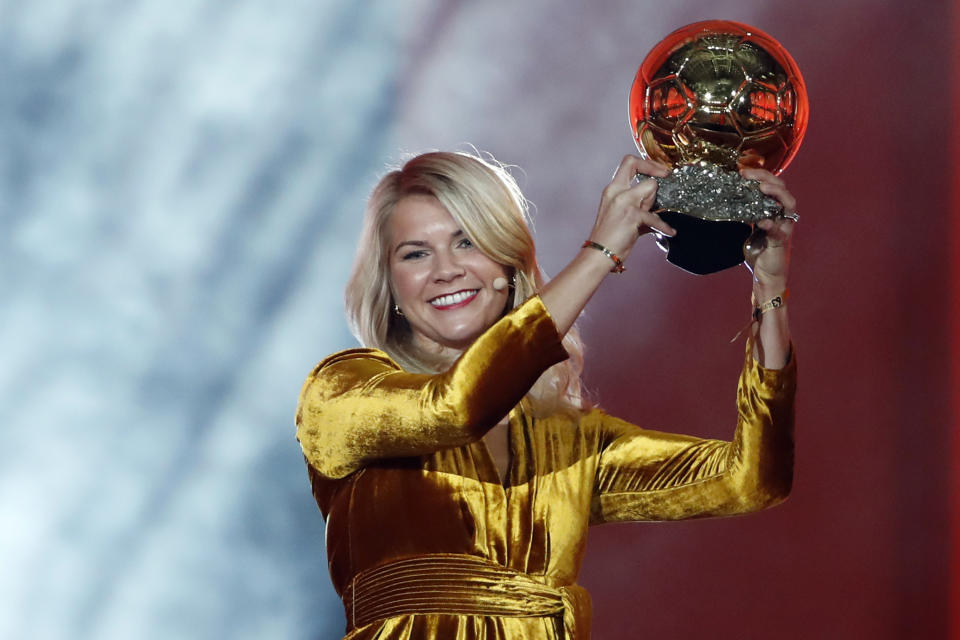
181, 188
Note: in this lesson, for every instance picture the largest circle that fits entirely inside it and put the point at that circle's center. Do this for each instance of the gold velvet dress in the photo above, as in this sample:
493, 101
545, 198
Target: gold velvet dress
423, 538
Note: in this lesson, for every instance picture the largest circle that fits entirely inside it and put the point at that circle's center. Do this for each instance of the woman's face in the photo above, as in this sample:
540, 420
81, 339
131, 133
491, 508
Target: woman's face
442, 282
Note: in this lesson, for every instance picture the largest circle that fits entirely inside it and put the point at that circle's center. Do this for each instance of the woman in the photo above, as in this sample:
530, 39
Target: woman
455, 461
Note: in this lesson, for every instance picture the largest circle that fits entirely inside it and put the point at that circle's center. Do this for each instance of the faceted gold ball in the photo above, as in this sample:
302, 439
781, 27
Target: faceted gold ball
722, 92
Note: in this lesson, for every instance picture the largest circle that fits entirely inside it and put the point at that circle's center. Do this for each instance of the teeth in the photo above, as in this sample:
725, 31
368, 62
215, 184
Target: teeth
453, 298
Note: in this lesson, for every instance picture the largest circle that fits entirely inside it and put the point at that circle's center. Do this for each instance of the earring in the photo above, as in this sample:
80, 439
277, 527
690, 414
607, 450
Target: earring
396, 310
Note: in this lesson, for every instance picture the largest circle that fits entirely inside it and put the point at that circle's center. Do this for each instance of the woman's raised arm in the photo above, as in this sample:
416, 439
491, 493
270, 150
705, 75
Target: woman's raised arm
623, 216
768, 257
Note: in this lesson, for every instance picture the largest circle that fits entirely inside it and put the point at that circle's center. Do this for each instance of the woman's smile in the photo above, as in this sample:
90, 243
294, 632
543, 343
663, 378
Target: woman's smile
454, 300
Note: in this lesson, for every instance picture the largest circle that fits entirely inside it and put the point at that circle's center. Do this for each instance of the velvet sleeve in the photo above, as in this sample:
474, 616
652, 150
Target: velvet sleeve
649, 475
358, 405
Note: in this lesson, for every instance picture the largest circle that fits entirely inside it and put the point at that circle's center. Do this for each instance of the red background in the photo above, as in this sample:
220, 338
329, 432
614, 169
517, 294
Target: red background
862, 548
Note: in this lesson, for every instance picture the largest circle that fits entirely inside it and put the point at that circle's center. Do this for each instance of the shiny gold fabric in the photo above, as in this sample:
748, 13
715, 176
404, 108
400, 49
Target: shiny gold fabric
399, 471
444, 582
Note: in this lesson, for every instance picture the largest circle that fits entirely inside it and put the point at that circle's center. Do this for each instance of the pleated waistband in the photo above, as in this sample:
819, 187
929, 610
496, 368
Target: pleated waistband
454, 584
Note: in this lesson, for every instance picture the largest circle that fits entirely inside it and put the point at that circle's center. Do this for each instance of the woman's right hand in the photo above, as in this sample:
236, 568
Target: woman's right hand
624, 214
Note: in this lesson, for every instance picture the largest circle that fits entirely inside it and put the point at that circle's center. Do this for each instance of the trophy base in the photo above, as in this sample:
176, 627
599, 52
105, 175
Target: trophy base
713, 211
703, 246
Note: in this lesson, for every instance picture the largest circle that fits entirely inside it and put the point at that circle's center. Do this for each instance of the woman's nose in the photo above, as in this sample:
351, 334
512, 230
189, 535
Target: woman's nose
446, 267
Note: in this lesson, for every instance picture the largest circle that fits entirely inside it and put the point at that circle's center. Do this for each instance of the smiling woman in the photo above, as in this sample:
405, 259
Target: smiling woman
481, 200
454, 459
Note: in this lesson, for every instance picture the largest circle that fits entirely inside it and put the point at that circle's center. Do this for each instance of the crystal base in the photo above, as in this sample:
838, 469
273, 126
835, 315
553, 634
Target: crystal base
709, 192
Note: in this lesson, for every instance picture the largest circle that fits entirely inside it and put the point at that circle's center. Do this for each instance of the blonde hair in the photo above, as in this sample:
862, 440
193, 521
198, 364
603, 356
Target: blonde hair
486, 202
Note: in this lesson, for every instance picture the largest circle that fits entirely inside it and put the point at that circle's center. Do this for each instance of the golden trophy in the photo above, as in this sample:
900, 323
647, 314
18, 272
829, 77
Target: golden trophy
711, 98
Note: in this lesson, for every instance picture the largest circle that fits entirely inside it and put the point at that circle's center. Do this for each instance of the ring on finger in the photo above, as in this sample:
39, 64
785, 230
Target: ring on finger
792, 215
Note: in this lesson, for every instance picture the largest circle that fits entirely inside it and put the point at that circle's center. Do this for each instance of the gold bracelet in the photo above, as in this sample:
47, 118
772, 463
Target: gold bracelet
617, 262
773, 303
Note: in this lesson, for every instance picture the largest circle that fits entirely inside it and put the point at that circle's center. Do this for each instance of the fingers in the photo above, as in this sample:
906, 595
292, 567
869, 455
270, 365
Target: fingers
766, 255
772, 186
652, 168
778, 230
631, 165
637, 202
767, 250
762, 175
653, 222
650, 221
624, 214
642, 194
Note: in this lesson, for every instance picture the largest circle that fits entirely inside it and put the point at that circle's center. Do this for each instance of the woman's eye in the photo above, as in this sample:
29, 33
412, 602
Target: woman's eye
413, 255
465, 243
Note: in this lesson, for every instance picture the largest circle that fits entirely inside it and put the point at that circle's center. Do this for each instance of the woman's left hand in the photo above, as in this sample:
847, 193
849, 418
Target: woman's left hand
768, 249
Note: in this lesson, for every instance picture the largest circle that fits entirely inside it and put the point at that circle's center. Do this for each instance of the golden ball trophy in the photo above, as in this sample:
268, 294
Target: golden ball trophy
711, 98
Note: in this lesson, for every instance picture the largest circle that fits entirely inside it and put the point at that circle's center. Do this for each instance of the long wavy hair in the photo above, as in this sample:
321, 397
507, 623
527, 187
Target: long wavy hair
486, 202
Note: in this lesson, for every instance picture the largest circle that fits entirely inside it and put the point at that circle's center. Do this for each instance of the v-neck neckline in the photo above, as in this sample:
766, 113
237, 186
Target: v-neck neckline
504, 480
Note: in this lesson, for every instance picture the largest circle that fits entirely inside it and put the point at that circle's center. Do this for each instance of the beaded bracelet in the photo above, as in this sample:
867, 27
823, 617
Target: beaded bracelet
617, 262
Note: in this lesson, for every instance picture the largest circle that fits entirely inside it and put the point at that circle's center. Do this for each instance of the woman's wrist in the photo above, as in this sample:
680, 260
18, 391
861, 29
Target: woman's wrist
607, 253
771, 304
765, 288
